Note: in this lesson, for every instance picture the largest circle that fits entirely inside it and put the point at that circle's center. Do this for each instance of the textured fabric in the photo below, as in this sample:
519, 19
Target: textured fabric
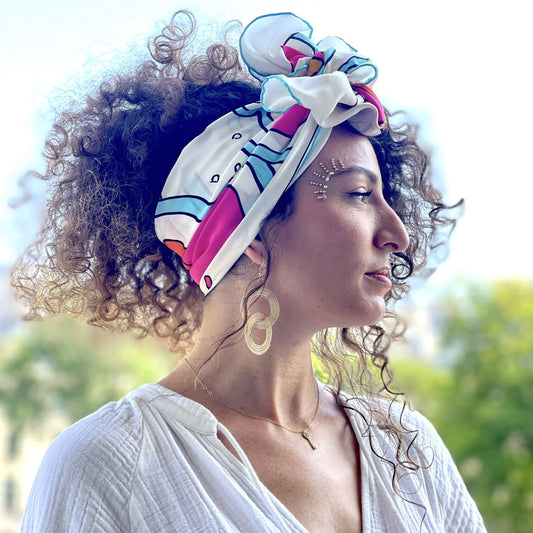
227, 180
153, 463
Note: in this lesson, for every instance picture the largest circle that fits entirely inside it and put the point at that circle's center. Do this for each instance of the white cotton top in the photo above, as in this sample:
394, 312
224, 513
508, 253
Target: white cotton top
152, 462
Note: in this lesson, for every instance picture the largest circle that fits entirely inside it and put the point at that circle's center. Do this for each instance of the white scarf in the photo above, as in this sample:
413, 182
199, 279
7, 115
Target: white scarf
227, 180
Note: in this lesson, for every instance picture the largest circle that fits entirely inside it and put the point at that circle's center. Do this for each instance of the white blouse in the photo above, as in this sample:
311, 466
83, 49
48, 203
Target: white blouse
152, 462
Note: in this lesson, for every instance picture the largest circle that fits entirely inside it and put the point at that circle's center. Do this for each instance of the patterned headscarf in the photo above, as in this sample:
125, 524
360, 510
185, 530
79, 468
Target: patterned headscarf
227, 180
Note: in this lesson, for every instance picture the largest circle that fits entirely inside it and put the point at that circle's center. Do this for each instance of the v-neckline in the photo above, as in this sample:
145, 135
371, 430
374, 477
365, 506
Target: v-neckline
199, 418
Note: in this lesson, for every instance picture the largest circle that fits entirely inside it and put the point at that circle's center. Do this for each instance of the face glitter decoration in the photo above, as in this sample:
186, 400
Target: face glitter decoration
325, 177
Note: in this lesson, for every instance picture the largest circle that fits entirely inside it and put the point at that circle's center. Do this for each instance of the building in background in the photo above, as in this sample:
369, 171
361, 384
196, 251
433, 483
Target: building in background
20, 456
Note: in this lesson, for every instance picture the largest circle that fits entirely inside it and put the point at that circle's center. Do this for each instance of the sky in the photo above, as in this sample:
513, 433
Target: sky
460, 68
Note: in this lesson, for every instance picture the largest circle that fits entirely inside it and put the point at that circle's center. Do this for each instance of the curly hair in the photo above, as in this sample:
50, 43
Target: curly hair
97, 255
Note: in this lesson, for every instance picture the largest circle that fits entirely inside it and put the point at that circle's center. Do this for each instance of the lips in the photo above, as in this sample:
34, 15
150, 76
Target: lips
382, 276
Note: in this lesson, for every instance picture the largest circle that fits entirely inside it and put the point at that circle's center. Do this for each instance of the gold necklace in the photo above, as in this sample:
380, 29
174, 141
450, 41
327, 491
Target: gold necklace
303, 432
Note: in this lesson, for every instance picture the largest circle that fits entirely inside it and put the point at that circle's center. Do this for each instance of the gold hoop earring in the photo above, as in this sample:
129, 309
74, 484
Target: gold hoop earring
261, 321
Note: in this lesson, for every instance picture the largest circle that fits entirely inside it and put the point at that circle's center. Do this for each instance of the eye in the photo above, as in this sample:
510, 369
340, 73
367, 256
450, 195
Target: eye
361, 194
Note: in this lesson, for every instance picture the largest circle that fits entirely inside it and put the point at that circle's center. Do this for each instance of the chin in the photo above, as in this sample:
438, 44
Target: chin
372, 314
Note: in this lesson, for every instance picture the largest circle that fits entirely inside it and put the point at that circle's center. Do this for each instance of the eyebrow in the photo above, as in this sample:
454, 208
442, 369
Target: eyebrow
356, 168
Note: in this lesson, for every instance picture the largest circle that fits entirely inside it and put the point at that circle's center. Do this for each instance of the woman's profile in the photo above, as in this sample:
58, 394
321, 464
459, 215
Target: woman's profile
261, 210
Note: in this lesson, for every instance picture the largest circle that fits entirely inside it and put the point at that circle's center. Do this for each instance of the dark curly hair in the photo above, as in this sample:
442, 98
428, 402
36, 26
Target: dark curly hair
97, 255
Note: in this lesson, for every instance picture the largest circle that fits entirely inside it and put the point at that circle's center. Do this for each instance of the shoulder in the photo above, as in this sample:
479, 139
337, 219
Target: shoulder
424, 470
390, 421
86, 474
443, 482
105, 440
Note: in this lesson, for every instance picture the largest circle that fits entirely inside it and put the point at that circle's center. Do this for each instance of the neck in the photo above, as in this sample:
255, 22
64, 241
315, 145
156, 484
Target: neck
278, 385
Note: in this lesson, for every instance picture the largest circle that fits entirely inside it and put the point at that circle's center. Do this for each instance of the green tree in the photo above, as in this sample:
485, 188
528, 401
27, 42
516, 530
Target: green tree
479, 395
488, 417
61, 366
423, 383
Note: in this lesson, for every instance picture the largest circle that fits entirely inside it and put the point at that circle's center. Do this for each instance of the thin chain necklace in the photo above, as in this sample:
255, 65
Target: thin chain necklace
303, 432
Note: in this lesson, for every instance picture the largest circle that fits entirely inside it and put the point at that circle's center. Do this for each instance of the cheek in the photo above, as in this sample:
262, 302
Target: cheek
318, 248
339, 233
295, 253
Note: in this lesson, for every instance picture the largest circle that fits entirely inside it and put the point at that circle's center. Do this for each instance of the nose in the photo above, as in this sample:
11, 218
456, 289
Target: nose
391, 235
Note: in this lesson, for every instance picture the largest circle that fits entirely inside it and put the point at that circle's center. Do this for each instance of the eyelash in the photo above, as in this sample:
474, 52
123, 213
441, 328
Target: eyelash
361, 195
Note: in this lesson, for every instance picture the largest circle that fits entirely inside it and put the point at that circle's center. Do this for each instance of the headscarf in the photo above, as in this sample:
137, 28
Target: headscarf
228, 179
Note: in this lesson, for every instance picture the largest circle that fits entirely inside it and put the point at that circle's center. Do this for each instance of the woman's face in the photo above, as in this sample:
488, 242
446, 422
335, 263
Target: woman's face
331, 257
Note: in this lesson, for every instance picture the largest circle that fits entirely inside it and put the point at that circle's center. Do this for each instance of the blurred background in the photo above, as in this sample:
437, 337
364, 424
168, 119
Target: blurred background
461, 70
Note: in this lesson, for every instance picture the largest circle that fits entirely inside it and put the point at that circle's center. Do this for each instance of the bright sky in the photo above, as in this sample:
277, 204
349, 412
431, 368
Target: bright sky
461, 67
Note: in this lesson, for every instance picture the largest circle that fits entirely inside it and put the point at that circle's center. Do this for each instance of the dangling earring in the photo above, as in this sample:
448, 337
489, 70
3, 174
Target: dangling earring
260, 320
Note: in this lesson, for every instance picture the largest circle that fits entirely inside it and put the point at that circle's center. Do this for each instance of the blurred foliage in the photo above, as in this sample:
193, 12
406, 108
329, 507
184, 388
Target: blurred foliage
423, 382
482, 402
61, 366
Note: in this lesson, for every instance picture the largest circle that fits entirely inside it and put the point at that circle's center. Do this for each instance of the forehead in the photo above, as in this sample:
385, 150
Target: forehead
350, 148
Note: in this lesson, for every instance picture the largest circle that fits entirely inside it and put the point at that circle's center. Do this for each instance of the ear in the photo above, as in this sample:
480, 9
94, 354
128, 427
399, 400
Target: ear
256, 252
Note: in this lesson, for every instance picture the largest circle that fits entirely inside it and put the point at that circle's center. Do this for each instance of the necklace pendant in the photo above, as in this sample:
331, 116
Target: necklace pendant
307, 437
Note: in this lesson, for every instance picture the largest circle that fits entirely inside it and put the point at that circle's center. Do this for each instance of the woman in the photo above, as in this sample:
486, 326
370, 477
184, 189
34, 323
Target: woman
296, 208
